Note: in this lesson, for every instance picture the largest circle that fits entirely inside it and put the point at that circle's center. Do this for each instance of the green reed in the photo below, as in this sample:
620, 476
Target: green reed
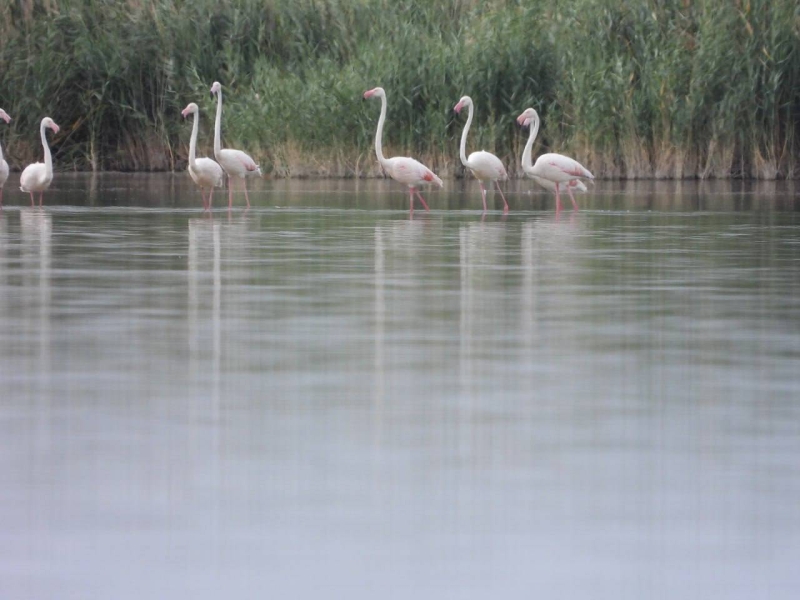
646, 88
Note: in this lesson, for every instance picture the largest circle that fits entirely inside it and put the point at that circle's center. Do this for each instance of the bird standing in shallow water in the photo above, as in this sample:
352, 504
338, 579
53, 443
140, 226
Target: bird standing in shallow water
555, 169
37, 177
3, 164
205, 172
401, 168
484, 165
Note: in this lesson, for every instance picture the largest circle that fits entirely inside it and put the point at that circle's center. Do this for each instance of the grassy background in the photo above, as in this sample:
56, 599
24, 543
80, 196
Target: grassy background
645, 88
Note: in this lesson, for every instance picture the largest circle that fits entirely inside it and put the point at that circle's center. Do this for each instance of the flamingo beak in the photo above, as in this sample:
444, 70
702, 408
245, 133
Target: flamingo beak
184, 112
368, 94
5, 118
457, 108
521, 120
55, 128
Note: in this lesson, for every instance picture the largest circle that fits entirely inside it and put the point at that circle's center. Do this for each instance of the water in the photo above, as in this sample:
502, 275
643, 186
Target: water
322, 398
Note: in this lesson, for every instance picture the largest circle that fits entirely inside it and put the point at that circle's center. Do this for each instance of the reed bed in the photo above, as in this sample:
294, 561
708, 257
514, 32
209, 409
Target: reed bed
634, 89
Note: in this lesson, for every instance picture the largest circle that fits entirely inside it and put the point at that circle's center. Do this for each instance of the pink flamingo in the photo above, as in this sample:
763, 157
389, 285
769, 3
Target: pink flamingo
484, 165
3, 163
400, 168
555, 169
37, 177
204, 171
235, 162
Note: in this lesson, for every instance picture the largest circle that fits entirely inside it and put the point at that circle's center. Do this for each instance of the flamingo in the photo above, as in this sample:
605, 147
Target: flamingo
37, 177
556, 169
205, 172
401, 168
235, 162
484, 165
3, 163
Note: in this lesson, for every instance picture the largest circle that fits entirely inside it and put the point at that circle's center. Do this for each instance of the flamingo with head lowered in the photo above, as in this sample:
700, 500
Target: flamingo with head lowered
205, 172
557, 170
37, 177
401, 168
484, 165
3, 164
236, 163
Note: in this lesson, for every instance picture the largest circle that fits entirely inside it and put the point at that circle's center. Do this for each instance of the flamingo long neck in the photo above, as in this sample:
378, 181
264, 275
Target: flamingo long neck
193, 140
1, 152
218, 126
526, 155
464, 137
48, 160
379, 132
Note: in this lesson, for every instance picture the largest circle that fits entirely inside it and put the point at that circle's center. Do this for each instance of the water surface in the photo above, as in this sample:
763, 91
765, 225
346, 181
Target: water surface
322, 397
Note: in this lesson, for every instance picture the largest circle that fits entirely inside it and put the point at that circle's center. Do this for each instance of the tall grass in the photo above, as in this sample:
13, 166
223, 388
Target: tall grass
645, 88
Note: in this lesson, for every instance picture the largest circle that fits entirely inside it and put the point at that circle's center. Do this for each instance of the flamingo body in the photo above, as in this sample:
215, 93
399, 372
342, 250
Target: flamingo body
237, 164
205, 172
402, 169
37, 177
485, 166
3, 164
552, 171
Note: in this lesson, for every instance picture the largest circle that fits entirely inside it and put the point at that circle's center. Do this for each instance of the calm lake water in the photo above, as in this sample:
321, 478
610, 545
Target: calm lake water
322, 398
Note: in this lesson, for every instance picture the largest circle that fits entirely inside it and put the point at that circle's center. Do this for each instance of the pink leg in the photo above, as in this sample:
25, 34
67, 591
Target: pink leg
32, 202
558, 200
230, 192
571, 197
505, 203
411, 200
203, 196
483, 195
1, 198
244, 183
210, 197
421, 199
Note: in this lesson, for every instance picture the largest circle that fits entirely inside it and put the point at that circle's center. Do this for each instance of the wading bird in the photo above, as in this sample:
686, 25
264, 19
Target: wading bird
235, 162
401, 168
556, 169
484, 165
37, 177
3, 164
205, 172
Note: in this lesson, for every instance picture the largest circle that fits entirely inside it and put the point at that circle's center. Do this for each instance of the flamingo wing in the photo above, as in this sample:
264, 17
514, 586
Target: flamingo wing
486, 166
567, 166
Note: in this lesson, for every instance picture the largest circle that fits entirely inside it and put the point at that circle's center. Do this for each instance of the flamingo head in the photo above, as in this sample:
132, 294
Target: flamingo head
465, 101
216, 87
4, 116
378, 91
48, 122
527, 117
190, 109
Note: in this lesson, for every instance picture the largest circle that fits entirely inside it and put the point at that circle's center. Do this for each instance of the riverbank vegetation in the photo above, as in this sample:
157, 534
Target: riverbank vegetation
631, 88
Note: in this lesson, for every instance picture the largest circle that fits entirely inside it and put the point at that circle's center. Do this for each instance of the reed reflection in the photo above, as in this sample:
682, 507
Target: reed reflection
36, 232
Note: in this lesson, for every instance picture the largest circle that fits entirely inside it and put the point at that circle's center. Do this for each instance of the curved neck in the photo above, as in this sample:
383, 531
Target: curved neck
48, 160
526, 155
218, 126
379, 132
193, 140
464, 137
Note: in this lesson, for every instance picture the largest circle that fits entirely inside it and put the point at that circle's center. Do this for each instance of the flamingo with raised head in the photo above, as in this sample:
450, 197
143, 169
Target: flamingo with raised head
3, 164
37, 177
236, 163
401, 168
557, 169
205, 172
484, 165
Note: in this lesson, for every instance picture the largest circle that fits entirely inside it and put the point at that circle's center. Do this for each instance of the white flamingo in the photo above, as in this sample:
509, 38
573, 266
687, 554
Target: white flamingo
37, 177
484, 165
401, 168
205, 172
3, 163
557, 169
235, 162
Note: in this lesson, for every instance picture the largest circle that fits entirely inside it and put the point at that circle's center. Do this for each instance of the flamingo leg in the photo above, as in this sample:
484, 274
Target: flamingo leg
230, 192
483, 195
505, 203
203, 196
421, 199
411, 199
1, 198
210, 197
558, 199
571, 197
244, 183
32, 202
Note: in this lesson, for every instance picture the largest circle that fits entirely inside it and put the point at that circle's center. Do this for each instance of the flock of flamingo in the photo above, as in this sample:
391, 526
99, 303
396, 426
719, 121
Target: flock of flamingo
553, 172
